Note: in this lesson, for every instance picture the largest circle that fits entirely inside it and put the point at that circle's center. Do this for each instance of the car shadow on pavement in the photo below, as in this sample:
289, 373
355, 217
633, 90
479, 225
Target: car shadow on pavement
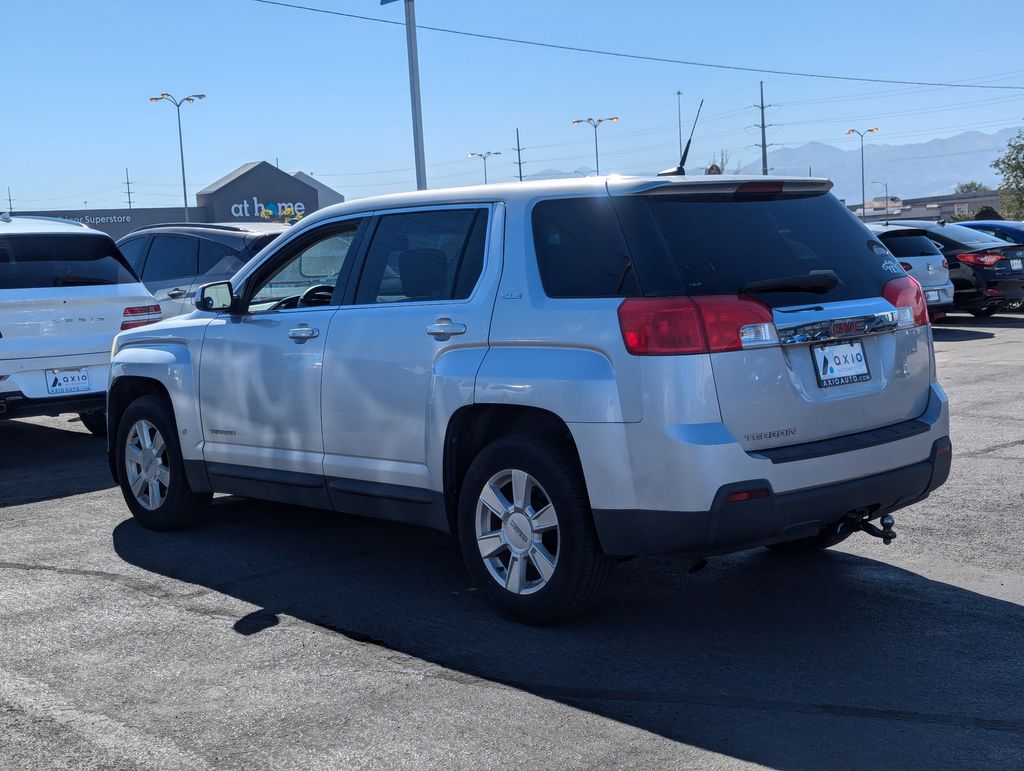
826, 660
955, 335
40, 462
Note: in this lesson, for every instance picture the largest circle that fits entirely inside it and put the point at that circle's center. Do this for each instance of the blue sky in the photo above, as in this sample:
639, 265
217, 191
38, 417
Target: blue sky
329, 95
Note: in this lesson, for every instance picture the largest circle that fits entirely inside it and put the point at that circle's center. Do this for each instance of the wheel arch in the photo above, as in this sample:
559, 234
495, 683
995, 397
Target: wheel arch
474, 426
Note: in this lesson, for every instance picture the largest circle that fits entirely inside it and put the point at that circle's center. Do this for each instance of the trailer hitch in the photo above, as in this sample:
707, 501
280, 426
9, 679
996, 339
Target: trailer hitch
885, 532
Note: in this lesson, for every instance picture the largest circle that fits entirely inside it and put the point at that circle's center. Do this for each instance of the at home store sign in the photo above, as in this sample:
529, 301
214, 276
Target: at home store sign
256, 209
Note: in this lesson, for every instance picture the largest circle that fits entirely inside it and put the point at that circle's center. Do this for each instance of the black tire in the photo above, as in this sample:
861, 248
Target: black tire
180, 506
826, 539
95, 422
984, 313
581, 569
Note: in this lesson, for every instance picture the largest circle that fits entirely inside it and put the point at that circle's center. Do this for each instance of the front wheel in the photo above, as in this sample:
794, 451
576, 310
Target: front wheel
527, 532
151, 471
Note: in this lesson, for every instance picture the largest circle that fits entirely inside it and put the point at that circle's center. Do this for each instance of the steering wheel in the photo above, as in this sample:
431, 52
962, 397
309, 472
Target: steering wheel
319, 294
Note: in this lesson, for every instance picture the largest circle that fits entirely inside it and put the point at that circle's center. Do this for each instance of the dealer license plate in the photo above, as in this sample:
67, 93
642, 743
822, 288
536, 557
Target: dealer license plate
1017, 264
840, 364
67, 381
931, 297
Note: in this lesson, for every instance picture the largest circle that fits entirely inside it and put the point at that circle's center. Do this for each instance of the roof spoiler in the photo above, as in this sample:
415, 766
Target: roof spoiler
714, 185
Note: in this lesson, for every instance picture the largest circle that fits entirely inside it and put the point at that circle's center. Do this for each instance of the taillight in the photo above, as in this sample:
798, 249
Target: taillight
984, 259
907, 297
673, 326
906, 266
140, 315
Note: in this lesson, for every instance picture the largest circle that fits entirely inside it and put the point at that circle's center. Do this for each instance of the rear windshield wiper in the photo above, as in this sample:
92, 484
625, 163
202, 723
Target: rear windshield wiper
70, 279
815, 283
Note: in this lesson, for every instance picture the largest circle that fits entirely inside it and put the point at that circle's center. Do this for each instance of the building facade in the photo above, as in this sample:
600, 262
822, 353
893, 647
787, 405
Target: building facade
253, 192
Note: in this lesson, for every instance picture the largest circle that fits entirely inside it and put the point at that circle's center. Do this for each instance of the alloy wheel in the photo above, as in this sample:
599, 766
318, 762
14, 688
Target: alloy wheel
147, 465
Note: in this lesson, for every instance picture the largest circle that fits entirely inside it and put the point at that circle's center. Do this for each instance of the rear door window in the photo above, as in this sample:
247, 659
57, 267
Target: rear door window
724, 244
421, 256
171, 257
36, 261
910, 244
580, 249
217, 258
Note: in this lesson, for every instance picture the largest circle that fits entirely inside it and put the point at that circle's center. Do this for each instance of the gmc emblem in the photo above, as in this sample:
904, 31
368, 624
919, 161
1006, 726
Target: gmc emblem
847, 327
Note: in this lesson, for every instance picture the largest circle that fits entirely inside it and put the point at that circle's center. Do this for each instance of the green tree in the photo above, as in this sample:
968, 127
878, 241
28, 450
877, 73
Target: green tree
1010, 166
971, 187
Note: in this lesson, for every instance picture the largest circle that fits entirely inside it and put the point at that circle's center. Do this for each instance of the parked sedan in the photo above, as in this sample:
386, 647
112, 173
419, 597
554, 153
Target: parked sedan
174, 259
922, 259
1007, 231
987, 272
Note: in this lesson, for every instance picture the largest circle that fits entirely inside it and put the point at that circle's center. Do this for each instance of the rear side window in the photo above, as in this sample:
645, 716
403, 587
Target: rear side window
171, 257
957, 236
910, 244
692, 245
423, 256
216, 258
36, 261
580, 249
134, 251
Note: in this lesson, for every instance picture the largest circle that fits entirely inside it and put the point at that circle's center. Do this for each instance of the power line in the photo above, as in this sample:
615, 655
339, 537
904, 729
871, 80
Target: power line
636, 57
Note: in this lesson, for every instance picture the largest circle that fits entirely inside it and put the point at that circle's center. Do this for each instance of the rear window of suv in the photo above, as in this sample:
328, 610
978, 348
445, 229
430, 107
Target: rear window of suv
34, 261
910, 244
706, 245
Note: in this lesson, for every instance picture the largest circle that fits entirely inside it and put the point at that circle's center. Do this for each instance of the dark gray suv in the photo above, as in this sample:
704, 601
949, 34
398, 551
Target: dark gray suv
175, 259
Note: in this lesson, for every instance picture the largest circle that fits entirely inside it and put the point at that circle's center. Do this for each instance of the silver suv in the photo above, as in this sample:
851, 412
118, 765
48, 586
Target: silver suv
561, 373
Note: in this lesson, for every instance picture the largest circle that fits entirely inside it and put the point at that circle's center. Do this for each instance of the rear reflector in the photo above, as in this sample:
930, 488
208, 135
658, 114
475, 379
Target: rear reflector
672, 326
747, 495
984, 259
140, 315
907, 297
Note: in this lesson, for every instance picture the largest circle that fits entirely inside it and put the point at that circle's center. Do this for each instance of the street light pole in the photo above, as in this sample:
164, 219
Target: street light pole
863, 187
484, 156
595, 122
191, 98
886, 186
414, 92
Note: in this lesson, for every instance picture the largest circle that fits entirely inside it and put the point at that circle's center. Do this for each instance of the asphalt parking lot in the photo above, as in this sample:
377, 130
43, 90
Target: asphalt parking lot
277, 636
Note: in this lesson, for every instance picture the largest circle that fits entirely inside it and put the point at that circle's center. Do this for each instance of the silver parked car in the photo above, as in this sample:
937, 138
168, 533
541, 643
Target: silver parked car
922, 258
561, 373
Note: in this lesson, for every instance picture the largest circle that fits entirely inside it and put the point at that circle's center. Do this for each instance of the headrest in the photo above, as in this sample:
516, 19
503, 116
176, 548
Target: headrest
424, 273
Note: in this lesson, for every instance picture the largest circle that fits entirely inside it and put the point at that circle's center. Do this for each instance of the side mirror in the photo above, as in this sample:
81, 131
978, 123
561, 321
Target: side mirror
214, 297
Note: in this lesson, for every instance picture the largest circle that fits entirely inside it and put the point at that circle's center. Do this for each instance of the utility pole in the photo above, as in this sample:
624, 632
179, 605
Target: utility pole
128, 186
764, 141
519, 156
414, 91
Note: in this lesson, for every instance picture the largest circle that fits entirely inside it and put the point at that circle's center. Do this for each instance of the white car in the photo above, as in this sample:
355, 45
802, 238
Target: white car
65, 292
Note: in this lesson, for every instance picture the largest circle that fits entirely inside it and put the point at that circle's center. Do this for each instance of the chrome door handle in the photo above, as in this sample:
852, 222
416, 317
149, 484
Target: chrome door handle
176, 293
302, 333
445, 328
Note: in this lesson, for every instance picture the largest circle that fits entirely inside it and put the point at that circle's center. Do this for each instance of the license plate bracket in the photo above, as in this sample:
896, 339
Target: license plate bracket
838, 364
931, 296
1017, 264
67, 381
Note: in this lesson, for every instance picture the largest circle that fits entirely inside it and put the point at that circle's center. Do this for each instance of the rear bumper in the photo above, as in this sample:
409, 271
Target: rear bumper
988, 292
775, 518
17, 405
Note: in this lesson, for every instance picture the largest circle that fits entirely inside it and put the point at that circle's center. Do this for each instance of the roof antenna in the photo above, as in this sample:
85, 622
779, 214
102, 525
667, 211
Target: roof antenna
680, 171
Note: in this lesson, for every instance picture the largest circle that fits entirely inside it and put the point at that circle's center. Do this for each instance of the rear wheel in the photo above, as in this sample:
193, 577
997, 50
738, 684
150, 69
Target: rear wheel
527, 533
95, 422
151, 471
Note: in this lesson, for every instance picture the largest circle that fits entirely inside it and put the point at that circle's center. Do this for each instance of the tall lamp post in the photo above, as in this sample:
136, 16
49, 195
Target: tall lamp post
414, 91
863, 188
886, 186
483, 157
165, 97
595, 122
